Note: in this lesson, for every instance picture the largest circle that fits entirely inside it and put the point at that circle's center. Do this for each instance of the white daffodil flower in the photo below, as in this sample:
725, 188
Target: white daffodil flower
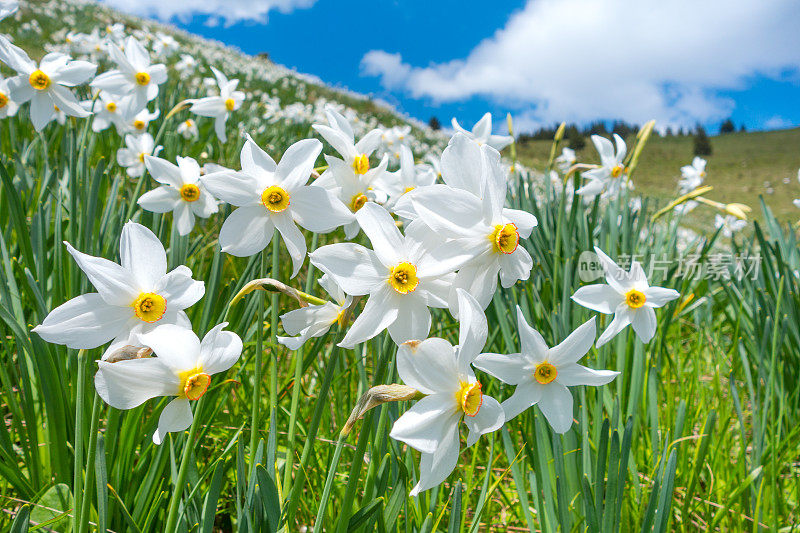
611, 174
351, 188
8, 8
8, 107
187, 64
542, 374
566, 159
132, 157
107, 110
401, 275
453, 394
471, 219
183, 367
340, 135
274, 196
181, 192
188, 129
134, 75
406, 179
315, 320
628, 296
730, 224
692, 176
219, 107
46, 84
132, 297
482, 133
137, 120
392, 140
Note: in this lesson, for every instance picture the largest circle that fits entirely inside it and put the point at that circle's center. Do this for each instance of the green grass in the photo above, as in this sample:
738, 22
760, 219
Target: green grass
699, 433
743, 167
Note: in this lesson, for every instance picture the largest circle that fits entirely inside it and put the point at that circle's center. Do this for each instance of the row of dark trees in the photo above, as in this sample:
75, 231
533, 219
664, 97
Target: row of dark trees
576, 136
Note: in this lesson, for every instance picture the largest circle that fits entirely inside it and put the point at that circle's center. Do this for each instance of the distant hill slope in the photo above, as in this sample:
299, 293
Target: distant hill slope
742, 167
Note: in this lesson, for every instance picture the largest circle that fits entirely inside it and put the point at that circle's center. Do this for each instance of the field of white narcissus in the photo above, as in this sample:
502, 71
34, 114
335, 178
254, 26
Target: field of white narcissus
235, 299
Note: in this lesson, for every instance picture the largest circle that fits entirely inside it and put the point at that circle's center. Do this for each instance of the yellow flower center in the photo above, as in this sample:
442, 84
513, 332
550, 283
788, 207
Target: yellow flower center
635, 298
142, 78
194, 383
469, 398
3, 100
39, 80
505, 238
190, 192
150, 306
139, 124
403, 278
361, 164
409, 189
275, 199
111, 107
141, 157
230, 104
617, 171
188, 123
357, 202
702, 173
545, 373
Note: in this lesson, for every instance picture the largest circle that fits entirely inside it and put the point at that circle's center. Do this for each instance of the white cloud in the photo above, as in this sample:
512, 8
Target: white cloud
777, 122
229, 11
580, 60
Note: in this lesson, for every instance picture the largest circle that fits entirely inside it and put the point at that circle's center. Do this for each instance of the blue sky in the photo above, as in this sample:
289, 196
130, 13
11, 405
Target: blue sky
679, 61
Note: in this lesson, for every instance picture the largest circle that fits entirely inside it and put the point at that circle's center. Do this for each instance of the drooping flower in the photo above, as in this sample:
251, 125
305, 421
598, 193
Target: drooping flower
183, 367
132, 297
482, 133
452, 395
220, 107
468, 214
132, 157
542, 374
628, 296
46, 84
134, 75
181, 192
401, 276
315, 320
274, 196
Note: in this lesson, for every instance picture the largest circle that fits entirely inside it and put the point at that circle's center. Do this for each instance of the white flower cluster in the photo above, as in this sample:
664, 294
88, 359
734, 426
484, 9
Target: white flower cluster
458, 239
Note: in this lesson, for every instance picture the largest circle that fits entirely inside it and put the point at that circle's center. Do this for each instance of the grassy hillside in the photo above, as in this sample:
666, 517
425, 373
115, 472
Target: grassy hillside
742, 167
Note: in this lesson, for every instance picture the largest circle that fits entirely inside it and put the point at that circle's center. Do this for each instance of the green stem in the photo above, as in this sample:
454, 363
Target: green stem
83, 524
77, 478
326, 492
256, 410
298, 375
273, 377
322, 402
172, 517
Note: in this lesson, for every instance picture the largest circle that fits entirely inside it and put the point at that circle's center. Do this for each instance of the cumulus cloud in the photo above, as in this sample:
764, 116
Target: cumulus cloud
228, 11
581, 60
